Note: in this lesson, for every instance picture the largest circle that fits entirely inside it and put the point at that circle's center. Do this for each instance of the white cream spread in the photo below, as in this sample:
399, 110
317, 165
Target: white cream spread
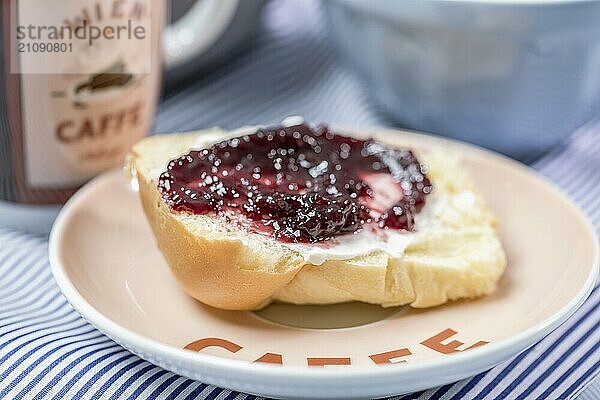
390, 241
354, 245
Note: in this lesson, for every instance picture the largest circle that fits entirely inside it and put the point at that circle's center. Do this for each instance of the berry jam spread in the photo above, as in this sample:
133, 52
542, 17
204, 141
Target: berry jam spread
300, 184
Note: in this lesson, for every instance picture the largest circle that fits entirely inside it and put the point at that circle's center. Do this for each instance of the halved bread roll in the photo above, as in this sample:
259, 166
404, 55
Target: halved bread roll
455, 252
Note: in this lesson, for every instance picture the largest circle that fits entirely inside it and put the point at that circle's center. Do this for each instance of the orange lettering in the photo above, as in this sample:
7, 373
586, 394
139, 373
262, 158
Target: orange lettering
435, 343
388, 356
270, 358
322, 361
213, 342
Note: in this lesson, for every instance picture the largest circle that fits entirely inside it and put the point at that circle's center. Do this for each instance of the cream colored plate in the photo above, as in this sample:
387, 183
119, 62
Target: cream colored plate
105, 260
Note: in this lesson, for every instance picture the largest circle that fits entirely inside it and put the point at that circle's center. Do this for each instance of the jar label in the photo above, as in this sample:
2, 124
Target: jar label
64, 128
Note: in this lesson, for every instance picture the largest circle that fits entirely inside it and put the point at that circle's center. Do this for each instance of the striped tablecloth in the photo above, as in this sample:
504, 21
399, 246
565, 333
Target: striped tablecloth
48, 351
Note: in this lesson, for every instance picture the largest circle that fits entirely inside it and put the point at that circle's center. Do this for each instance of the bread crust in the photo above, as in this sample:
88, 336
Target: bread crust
226, 267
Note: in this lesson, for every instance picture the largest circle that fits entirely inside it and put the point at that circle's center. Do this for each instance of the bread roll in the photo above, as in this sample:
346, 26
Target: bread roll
455, 253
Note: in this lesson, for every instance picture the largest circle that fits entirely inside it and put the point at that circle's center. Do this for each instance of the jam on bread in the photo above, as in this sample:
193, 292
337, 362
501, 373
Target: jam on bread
300, 184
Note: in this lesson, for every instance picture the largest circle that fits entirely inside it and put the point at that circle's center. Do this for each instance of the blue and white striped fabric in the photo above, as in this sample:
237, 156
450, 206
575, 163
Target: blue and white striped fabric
48, 351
